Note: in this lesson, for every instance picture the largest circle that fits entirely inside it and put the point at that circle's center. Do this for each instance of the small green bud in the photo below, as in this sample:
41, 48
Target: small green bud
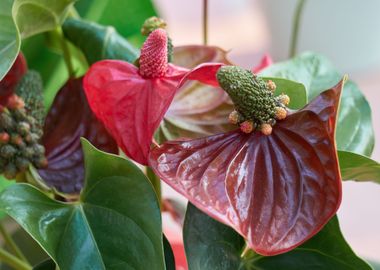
23, 128
22, 163
38, 149
16, 139
28, 152
7, 151
6, 121
152, 24
20, 115
31, 138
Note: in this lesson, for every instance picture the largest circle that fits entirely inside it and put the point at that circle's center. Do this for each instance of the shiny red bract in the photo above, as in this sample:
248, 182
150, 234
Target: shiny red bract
278, 190
131, 106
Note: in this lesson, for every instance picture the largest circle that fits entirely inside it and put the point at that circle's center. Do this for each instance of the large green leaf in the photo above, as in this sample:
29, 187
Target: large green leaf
37, 16
357, 167
354, 130
115, 225
9, 37
296, 91
24, 18
4, 183
98, 42
126, 16
212, 245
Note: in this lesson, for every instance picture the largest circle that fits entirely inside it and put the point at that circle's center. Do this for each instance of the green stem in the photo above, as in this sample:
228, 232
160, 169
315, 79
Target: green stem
13, 261
66, 54
296, 26
156, 182
205, 22
11, 244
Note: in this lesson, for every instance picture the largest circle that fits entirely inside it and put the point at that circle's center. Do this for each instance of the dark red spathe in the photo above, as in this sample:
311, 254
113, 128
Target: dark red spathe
278, 190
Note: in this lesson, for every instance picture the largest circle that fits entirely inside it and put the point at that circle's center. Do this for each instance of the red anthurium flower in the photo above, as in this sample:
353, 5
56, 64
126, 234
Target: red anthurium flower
14, 75
69, 119
131, 101
277, 185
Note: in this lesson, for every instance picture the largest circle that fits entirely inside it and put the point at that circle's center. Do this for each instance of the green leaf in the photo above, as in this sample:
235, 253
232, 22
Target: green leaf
98, 42
37, 16
9, 38
358, 168
126, 16
25, 18
4, 183
354, 129
169, 255
115, 225
296, 91
212, 245
45, 265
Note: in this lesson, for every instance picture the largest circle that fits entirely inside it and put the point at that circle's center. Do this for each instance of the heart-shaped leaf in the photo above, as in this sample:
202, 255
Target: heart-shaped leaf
354, 131
115, 225
24, 18
357, 167
98, 42
69, 119
212, 245
10, 38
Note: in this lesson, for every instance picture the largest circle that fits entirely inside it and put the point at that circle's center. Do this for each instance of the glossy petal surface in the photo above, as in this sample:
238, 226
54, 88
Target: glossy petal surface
69, 119
132, 107
197, 109
278, 190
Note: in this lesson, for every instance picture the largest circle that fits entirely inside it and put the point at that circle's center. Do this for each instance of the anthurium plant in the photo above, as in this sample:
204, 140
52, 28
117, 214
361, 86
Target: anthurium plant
260, 154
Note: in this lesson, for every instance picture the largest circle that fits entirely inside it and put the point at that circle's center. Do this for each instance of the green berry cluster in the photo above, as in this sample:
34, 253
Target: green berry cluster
30, 90
253, 98
19, 139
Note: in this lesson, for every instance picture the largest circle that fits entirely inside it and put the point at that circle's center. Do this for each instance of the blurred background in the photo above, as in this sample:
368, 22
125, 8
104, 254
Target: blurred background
346, 31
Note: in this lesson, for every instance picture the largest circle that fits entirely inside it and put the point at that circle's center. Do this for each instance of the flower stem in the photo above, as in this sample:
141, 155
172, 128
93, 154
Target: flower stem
156, 182
205, 22
296, 26
66, 54
13, 261
11, 244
